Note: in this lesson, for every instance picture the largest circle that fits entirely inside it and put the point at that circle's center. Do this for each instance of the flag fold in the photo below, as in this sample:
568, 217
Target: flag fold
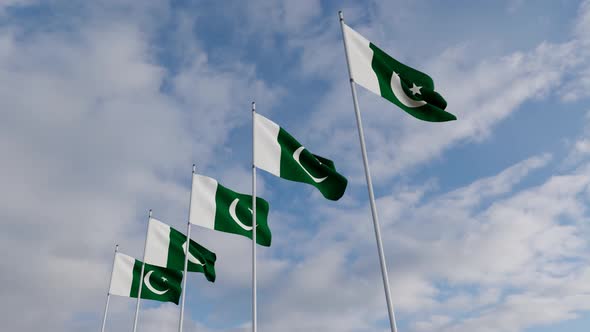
216, 207
411, 90
159, 284
278, 153
166, 247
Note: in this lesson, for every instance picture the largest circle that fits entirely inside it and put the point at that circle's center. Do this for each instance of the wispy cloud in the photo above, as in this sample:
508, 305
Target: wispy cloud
106, 105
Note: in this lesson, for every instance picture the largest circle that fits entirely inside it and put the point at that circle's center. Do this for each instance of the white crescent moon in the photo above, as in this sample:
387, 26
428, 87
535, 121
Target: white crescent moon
296, 157
232, 213
398, 91
146, 280
191, 258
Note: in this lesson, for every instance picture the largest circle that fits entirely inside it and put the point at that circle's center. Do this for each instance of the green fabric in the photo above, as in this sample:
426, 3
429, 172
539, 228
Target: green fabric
225, 222
176, 256
384, 66
327, 180
161, 280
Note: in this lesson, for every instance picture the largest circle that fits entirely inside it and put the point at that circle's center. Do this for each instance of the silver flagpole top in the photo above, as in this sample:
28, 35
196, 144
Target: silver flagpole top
116, 247
150, 214
253, 106
340, 15
194, 168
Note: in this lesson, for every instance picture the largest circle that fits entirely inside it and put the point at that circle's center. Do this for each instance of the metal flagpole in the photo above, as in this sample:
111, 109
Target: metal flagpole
141, 277
188, 241
106, 307
254, 318
369, 186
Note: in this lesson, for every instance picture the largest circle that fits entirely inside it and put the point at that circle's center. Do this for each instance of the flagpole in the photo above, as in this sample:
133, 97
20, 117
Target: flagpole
369, 186
106, 307
254, 308
188, 239
141, 277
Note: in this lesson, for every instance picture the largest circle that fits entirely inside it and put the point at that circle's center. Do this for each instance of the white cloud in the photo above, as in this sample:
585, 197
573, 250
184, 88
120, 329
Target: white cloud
94, 131
520, 244
482, 92
481, 97
90, 141
579, 149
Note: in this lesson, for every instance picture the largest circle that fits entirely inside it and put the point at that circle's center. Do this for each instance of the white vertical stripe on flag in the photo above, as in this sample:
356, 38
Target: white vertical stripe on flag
361, 57
122, 277
203, 207
268, 150
158, 242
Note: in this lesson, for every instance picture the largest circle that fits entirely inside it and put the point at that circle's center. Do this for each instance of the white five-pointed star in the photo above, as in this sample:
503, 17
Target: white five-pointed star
415, 89
164, 279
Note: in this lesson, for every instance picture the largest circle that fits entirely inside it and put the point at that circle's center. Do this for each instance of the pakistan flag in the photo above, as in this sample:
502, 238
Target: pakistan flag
157, 283
216, 207
408, 88
278, 153
166, 247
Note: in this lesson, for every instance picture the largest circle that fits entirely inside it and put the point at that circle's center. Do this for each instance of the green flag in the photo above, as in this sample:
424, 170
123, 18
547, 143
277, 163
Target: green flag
278, 153
166, 247
157, 283
408, 88
216, 207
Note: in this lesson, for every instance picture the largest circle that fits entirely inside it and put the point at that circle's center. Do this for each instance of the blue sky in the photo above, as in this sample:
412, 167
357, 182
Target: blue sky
105, 105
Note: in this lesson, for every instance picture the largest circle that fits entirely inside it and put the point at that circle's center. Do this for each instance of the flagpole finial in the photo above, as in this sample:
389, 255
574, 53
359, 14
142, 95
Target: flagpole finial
150, 214
340, 15
194, 168
116, 247
253, 106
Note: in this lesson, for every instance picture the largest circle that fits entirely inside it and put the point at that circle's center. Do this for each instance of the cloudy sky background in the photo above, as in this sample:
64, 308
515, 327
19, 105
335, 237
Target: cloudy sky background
105, 105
